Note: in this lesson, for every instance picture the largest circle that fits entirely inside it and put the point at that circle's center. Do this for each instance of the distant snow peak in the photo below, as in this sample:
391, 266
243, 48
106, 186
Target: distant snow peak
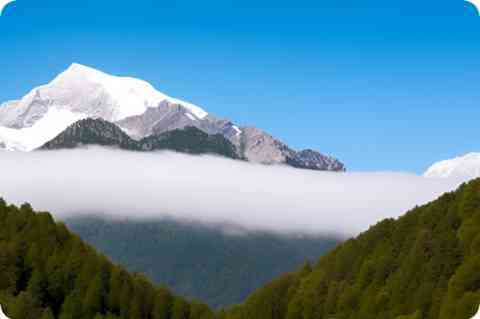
138, 109
465, 167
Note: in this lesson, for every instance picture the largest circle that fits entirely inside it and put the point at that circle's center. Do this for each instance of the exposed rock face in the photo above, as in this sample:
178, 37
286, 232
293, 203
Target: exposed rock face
260, 147
252, 143
171, 116
310, 159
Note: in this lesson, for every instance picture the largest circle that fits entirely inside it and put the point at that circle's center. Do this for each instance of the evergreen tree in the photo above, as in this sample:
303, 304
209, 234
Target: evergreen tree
425, 265
48, 273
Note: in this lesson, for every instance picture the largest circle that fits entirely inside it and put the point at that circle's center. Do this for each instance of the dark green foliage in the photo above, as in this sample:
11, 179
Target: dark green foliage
425, 265
92, 132
47, 272
197, 261
100, 132
190, 140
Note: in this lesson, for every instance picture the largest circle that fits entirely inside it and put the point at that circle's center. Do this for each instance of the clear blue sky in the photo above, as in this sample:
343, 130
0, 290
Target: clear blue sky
382, 85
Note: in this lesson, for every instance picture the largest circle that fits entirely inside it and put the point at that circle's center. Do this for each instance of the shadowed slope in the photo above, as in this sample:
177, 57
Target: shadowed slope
47, 272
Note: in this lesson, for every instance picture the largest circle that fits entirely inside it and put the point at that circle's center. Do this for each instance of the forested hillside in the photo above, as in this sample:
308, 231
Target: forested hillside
198, 261
99, 132
47, 272
425, 265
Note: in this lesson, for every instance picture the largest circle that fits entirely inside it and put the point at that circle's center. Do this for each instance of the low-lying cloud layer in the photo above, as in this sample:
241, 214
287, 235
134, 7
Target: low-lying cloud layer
209, 190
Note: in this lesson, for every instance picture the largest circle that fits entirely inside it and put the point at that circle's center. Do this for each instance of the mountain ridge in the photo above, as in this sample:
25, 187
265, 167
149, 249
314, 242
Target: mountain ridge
103, 133
138, 109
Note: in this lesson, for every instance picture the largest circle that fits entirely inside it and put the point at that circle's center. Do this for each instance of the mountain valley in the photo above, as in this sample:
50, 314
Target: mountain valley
220, 266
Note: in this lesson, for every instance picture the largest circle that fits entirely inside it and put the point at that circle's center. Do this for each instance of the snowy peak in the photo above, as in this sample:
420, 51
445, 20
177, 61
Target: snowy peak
78, 92
86, 90
79, 70
82, 89
465, 167
139, 110
129, 96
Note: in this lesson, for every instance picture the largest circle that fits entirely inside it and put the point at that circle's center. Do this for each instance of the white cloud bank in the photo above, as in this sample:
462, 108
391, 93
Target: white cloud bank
209, 189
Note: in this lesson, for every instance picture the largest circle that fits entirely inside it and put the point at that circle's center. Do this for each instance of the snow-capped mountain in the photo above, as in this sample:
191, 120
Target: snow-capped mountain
77, 93
138, 109
464, 167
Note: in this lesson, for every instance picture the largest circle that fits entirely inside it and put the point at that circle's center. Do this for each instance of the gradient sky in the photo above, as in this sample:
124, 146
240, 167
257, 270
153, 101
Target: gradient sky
382, 85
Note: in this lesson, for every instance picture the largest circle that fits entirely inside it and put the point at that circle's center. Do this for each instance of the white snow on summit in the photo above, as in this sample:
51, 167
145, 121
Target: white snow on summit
129, 96
465, 167
79, 92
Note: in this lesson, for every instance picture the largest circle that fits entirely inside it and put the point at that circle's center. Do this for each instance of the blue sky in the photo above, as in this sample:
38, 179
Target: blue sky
382, 85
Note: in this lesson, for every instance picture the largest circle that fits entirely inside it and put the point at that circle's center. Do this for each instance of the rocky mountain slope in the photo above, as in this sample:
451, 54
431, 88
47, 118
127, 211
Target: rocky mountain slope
92, 132
100, 132
139, 110
310, 159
